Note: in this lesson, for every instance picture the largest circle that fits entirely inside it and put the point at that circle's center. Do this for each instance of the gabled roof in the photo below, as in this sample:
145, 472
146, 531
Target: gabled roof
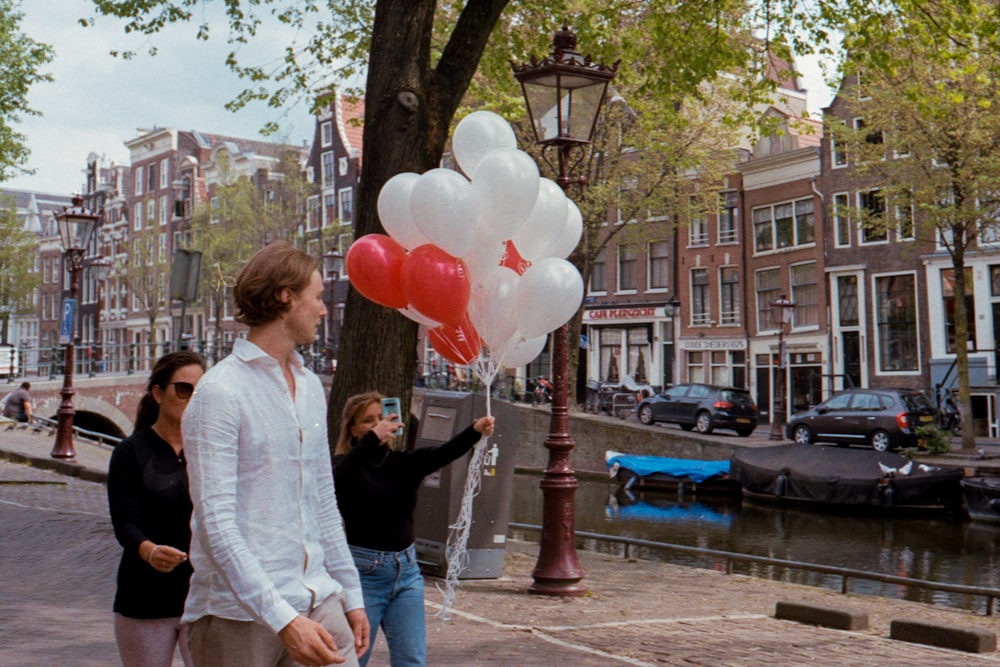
350, 123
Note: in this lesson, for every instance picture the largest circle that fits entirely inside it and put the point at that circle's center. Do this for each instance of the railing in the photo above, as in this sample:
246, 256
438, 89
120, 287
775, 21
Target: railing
845, 574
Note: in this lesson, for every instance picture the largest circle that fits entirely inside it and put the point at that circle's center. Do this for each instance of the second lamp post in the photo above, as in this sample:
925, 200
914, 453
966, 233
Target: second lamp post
564, 93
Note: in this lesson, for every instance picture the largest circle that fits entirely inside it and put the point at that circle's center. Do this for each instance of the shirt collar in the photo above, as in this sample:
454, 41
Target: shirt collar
244, 350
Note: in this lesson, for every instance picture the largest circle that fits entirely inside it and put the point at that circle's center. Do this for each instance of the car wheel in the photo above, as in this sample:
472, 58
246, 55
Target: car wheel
646, 414
703, 423
880, 441
744, 432
802, 435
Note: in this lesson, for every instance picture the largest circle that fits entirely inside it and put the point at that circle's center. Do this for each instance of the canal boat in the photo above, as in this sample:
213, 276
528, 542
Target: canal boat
842, 478
982, 498
680, 476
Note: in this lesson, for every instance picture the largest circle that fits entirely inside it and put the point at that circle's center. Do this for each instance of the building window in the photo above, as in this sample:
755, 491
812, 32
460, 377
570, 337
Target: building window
783, 225
729, 295
948, 294
805, 295
312, 213
904, 220
627, 262
326, 130
137, 220
762, 234
896, 313
995, 280
872, 206
698, 229
659, 265
599, 272
346, 196
805, 225
842, 220
151, 171
847, 301
701, 301
164, 173
164, 209
728, 217
138, 180
151, 212
329, 209
838, 146
768, 291
327, 166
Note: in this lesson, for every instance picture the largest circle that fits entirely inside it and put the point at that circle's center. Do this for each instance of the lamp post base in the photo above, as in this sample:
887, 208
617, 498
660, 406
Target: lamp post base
778, 423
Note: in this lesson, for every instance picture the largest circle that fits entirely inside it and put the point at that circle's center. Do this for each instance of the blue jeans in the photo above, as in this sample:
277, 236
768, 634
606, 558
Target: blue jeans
394, 600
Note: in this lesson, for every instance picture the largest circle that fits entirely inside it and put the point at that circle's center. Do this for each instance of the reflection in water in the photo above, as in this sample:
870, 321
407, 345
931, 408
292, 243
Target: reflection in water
932, 549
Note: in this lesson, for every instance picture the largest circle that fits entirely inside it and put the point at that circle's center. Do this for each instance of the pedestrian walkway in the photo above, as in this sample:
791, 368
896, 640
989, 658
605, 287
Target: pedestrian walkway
59, 558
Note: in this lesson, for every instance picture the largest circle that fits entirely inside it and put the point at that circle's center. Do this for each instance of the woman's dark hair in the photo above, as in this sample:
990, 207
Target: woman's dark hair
275, 267
163, 373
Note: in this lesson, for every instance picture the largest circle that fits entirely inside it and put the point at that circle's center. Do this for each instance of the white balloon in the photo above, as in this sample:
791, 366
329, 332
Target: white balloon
545, 223
395, 213
505, 186
550, 292
572, 232
418, 317
522, 351
444, 210
477, 134
483, 258
491, 303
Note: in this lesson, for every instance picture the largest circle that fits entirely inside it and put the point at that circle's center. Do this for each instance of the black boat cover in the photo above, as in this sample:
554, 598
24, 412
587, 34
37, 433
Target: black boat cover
843, 476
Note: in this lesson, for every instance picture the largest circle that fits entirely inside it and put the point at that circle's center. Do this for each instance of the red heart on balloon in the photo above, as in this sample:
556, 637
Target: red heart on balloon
512, 259
436, 284
374, 266
458, 344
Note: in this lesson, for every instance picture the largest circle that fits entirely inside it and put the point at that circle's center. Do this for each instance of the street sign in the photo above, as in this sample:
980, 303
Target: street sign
66, 325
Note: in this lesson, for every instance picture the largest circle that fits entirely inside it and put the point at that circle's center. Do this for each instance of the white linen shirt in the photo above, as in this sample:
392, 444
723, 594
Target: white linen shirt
267, 538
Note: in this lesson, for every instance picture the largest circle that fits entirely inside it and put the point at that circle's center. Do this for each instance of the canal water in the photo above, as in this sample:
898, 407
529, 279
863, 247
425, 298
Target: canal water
944, 549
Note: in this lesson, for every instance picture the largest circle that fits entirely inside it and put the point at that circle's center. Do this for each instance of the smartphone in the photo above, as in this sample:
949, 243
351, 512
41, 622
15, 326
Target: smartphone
390, 406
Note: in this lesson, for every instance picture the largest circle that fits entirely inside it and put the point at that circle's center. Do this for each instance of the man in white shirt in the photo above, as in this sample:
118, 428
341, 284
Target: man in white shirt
274, 582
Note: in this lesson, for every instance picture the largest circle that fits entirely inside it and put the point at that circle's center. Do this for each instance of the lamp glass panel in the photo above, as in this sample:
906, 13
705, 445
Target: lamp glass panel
543, 107
75, 231
583, 105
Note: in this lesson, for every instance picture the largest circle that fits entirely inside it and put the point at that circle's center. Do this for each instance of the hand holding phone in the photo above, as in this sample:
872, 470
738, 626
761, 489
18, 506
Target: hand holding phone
390, 406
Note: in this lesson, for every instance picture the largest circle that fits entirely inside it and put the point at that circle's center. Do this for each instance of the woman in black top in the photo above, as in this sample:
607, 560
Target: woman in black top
151, 514
377, 493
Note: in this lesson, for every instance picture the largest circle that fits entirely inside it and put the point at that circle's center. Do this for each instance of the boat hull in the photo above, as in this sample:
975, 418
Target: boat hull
982, 498
844, 479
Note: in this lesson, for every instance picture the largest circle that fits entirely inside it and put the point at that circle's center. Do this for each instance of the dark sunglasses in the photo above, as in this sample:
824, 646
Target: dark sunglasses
182, 389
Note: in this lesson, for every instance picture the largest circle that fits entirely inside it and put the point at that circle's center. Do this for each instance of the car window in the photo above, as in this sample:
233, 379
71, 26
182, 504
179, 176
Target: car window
865, 402
838, 402
736, 397
675, 392
698, 391
916, 401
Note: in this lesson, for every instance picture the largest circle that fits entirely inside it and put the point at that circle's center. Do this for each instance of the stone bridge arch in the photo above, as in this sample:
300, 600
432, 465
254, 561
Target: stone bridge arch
104, 404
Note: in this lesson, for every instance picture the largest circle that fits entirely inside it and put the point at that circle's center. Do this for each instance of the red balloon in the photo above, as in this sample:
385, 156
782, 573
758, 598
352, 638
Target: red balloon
436, 284
374, 266
458, 344
512, 259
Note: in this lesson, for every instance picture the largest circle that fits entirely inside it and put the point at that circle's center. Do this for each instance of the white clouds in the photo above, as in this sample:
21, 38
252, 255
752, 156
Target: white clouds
96, 102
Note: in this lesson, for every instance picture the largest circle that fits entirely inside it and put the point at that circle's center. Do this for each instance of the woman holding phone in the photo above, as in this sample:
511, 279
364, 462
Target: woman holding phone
151, 514
377, 493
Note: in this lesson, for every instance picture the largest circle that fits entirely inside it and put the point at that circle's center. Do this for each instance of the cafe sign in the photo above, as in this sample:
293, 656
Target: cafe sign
637, 313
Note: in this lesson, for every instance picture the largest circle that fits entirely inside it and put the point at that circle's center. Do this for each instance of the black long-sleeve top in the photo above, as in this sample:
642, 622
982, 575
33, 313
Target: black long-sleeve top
377, 487
148, 498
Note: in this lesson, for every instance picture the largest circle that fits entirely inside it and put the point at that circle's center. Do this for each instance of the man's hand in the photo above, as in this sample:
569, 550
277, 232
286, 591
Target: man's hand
310, 644
358, 620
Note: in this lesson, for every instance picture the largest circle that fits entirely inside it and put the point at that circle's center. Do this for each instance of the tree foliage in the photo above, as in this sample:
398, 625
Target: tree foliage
21, 63
926, 90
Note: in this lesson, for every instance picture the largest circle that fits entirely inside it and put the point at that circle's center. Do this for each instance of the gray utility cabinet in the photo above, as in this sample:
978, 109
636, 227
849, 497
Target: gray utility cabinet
439, 499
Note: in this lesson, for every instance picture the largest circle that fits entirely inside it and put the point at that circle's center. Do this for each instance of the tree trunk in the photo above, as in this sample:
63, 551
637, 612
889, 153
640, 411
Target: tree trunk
408, 111
962, 347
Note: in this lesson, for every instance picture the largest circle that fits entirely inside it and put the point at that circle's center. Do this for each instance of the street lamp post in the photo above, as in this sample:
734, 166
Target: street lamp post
674, 310
781, 312
333, 267
563, 93
76, 224
101, 269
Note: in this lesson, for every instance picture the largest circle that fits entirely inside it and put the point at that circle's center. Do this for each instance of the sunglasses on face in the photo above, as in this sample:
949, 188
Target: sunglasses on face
182, 389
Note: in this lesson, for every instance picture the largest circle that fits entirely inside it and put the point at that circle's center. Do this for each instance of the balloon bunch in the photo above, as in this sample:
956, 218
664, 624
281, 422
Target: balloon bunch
480, 261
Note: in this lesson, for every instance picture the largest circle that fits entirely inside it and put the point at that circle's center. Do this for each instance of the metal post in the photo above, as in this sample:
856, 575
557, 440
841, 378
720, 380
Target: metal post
63, 448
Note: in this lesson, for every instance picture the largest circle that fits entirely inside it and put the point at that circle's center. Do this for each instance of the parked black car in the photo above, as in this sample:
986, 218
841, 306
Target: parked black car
702, 407
885, 419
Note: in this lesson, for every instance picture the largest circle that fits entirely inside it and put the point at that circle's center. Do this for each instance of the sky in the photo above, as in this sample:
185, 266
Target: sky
97, 102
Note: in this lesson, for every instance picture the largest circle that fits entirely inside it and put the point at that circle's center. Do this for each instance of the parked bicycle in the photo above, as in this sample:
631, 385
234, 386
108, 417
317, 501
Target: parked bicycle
541, 390
949, 415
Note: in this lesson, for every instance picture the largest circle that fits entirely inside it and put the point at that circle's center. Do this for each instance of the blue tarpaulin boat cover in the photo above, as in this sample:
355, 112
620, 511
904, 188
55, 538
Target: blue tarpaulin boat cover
696, 471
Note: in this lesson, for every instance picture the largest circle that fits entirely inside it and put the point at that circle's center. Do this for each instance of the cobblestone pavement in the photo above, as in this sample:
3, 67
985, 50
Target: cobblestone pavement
58, 560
